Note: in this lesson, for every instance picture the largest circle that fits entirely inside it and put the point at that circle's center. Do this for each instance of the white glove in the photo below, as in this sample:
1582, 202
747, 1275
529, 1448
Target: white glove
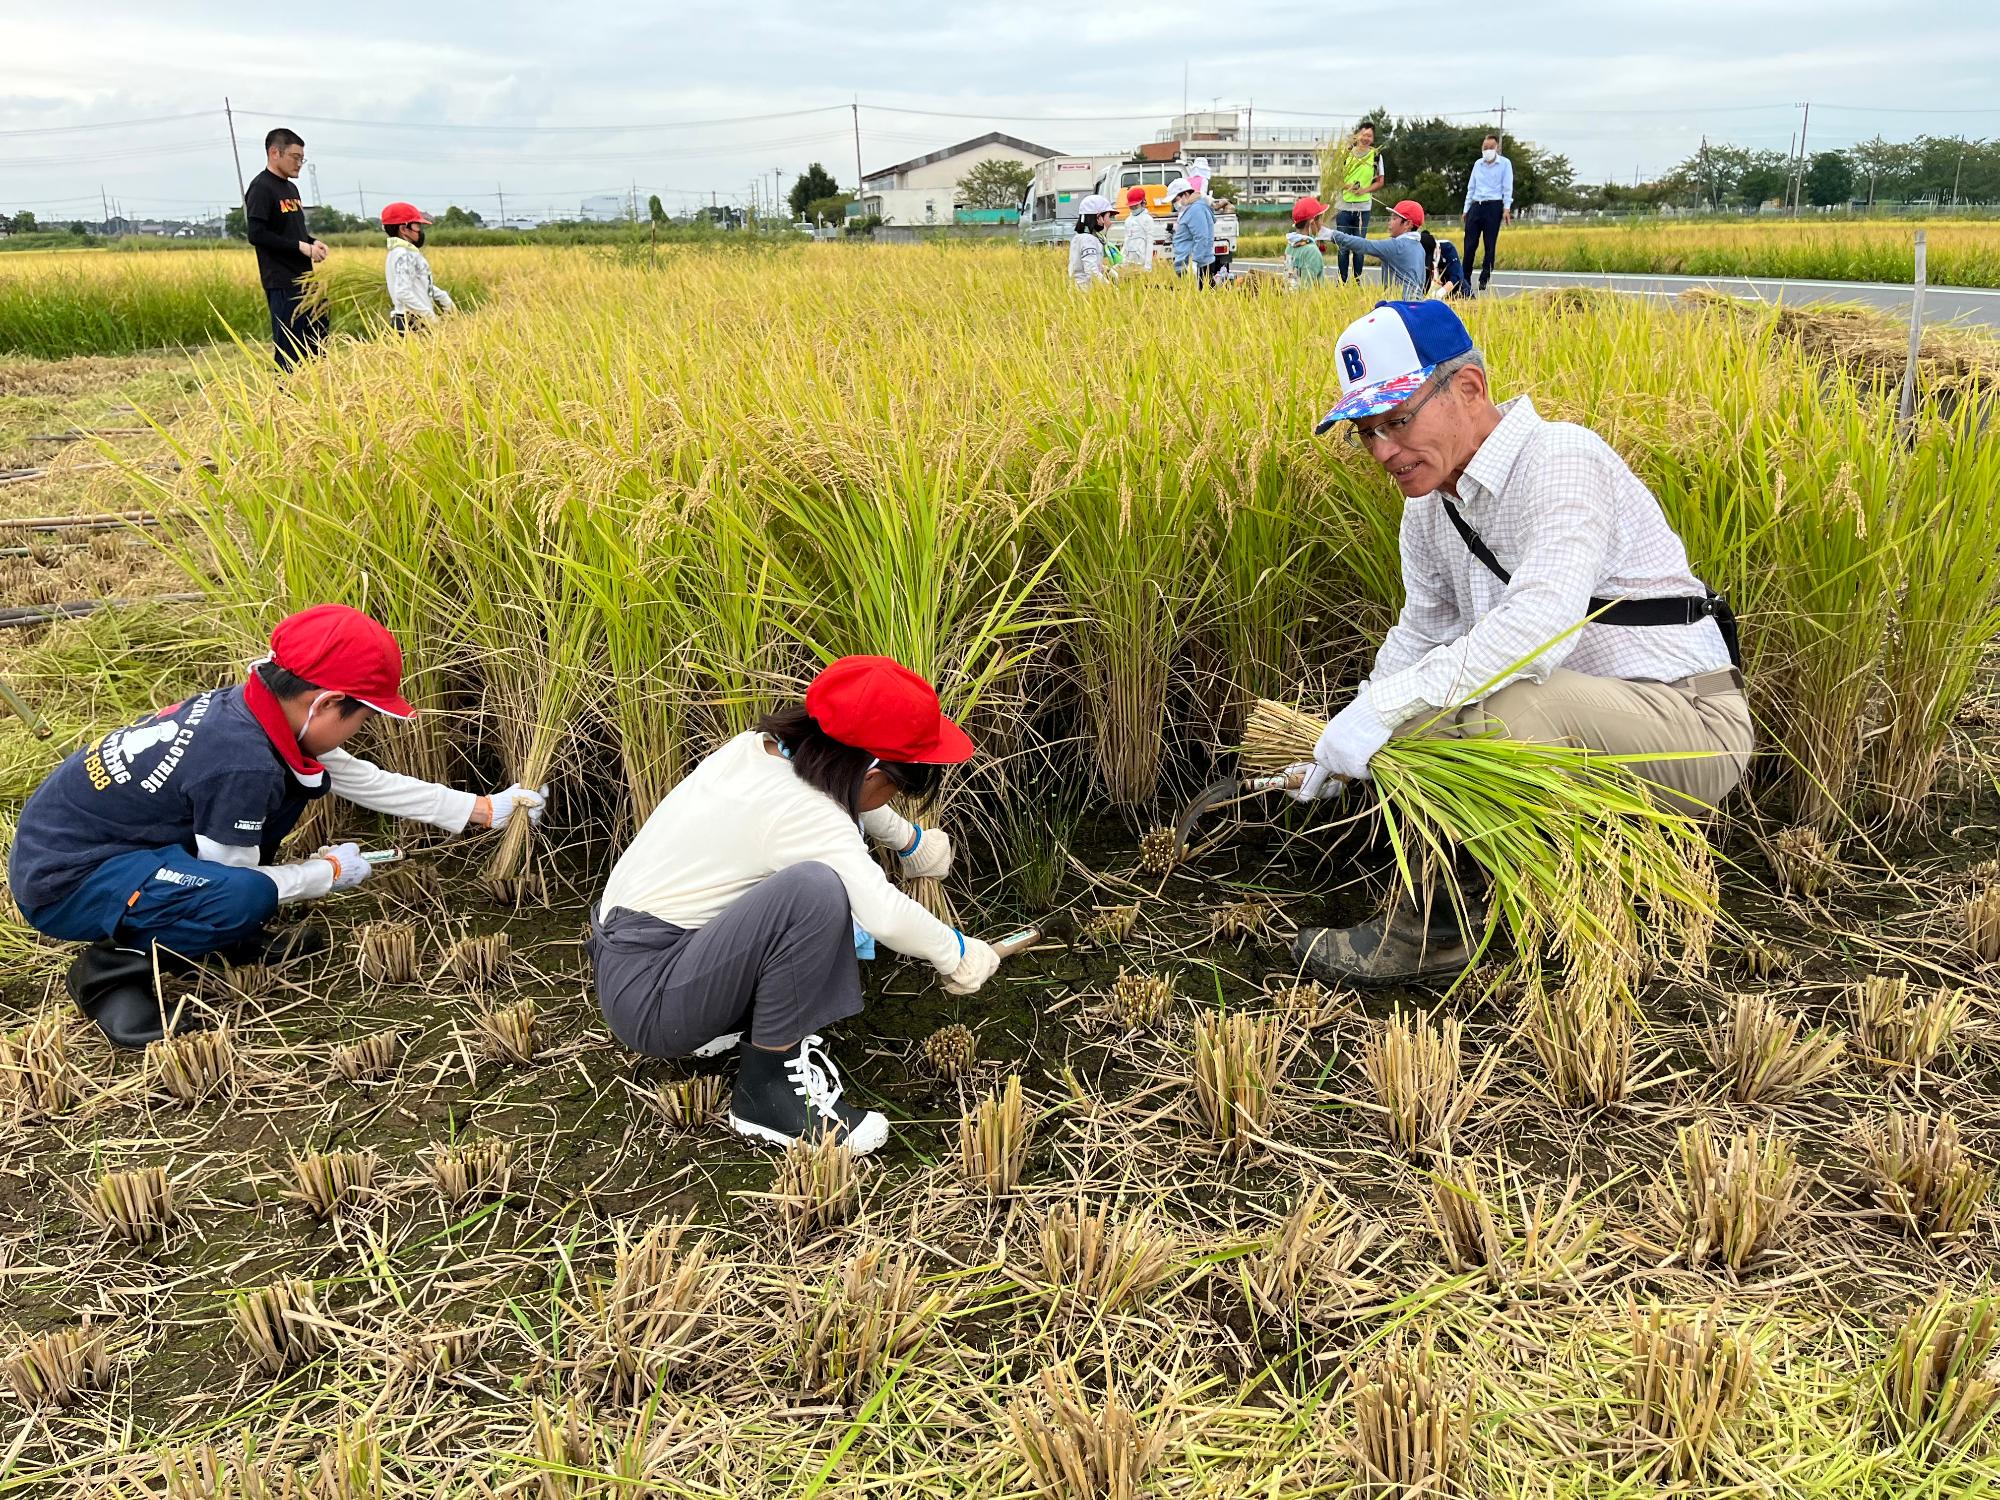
504, 803
977, 966
1316, 783
1351, 738
349, 868
931, 859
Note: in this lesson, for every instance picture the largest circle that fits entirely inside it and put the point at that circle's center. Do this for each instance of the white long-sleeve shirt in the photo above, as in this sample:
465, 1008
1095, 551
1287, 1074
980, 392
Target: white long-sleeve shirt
1143, 234
742, 816
365, 784
1564, 515
1086, 260
411, 290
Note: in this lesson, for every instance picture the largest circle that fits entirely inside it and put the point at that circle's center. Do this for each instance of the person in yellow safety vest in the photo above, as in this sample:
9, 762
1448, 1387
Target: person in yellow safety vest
1362, 176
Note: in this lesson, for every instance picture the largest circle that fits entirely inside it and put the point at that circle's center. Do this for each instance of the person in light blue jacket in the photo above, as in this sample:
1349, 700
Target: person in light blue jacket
1402, 254
1194, 231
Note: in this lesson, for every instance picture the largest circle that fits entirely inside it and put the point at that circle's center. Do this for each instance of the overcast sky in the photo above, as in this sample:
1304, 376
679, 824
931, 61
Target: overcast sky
444, 101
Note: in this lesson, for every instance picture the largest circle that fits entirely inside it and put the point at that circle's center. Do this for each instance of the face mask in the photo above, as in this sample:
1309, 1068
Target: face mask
1490, 155
420, 239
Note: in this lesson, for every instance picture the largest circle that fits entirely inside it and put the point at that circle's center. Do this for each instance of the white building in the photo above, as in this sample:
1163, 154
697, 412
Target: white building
925, 189
1268, 164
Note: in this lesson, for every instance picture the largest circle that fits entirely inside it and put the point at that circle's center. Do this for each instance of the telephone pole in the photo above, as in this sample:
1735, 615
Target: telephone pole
503, 203
1799, 168
856, 108
360, 202
777, 189
235, 155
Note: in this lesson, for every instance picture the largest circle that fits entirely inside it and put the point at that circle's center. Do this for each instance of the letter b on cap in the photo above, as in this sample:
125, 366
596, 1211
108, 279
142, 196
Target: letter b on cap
1351, 363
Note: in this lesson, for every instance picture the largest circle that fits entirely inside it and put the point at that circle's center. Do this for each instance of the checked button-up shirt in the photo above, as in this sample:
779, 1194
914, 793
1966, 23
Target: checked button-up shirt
1568, 519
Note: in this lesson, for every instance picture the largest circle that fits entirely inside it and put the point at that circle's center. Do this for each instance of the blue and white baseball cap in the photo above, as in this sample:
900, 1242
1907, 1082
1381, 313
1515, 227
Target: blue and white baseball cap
1386, 357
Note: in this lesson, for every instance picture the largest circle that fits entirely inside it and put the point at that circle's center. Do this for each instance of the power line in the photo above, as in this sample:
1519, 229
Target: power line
629, 127
198, 114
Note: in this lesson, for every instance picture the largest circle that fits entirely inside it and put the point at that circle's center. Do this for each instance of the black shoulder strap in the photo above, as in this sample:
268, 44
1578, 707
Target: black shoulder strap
1474, 542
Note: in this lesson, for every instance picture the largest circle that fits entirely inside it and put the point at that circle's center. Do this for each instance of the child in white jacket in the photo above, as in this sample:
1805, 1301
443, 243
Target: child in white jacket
412, 293
1086, 247
1142, 232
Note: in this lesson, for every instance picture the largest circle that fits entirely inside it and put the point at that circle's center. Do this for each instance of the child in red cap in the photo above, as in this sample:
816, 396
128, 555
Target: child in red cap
157, 843
732, 920
1301, 246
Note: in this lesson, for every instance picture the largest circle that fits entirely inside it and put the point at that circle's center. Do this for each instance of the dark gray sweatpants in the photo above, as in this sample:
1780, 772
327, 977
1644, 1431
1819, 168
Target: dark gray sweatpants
779, 964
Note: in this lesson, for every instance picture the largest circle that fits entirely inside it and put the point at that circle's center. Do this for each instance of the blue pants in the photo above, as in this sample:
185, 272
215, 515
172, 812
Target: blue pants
188, 906
1351, 221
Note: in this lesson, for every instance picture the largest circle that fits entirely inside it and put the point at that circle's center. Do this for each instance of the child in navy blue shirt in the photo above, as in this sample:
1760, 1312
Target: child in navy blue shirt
164, 835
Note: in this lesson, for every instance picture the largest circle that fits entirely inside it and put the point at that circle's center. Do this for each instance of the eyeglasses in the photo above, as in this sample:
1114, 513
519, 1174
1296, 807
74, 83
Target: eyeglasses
1393, 426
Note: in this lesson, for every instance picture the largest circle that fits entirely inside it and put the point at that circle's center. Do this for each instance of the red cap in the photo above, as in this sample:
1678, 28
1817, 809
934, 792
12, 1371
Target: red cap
881, 706
1307, 208
1412, 211
1134, 195
403, 213
343, 651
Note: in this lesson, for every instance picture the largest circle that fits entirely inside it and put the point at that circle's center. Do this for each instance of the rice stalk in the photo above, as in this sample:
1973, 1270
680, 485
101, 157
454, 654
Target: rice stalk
1982, 925
1415, 1069
660, 1312
1582, 1033
1765, 1055
1893, 1031
38, 1078
1489, 1224
1938, 1380
1731, 1204
327, 1183
386, 952
136, 1204
689, 1103
1805, 862
818, 1185
57, 1368
1689, 1380
1922, 1175
1235, 1074
481, 961
472, 1171
368, 1058
1079, 1448
1412, 1430
994, 1136
1114, 1261
1310, 1265
195, 1065
865, 1316
506, 1034
950, 1050
1139, 1002
280, 1324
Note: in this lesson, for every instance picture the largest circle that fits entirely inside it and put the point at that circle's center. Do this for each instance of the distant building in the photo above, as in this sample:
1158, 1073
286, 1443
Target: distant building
1268, 164
924, 190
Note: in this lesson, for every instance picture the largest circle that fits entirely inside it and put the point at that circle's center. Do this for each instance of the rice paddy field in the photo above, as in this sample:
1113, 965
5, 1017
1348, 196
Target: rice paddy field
1684, 1190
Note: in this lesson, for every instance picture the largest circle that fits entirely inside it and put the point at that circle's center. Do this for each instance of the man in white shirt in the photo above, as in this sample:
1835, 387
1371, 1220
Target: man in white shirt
1546, 598
1489, 203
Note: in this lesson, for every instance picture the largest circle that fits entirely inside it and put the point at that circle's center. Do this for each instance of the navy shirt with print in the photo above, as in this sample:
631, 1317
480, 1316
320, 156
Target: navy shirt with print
201, 768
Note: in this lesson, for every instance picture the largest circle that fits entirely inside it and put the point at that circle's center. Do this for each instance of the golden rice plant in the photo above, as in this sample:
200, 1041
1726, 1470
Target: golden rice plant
1762, 958
350, 1467
1080, 1447
1490, 1224
1765, 1054
1311, 1264
472, 1171
253, 981
866, 1315
1982, 925
1159, 851
1109, 926
689, 1103
136, 1205
196, 1065
1116, 1261
37, 1075
993, 1140
386, 952
368, 1058
1240, 919
661, 1311
1805, 862
1416, 1071
564, 1440
280, 1324
1235, 1073
1732, 1203
1939, 1379
1138, 1002
326, 1183
430, 1352
949, 1051
1893, 1030
818, 1184
480, 961
1312, 1006
56, 1368
1922, 1175
1689, 1379
1582, 1033
1412, 1429
505, 1034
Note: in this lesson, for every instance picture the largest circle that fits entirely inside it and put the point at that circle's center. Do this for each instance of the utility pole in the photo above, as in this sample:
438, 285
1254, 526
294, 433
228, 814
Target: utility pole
777, 190
105, 204
359, 201
1799, 167
1955, 171
235, 154
313, 172
503, 203
856, 107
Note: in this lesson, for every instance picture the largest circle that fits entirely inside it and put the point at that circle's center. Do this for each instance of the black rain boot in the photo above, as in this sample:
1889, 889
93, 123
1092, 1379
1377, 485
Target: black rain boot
782, 1097
114, 987
277, 947
1397, 947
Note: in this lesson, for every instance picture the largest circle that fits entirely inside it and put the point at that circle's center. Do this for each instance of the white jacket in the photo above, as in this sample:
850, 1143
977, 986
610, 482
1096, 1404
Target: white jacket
411, 290
1142, 239
1086, 260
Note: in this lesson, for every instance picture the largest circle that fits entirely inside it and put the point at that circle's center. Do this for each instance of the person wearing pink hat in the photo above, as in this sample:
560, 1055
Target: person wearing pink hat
735, 919
1402, 253
415, 300
158, 844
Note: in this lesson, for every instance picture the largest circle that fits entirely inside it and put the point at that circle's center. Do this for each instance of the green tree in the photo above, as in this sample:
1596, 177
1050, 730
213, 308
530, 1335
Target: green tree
832, 209
236, 224
1765, 174
814, 183
76, 228
995, 183
461, 218
323, 218
22, 222
1830, 179
1220, 188
656, 210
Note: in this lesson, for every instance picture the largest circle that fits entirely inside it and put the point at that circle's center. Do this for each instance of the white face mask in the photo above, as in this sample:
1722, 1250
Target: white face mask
1490, 155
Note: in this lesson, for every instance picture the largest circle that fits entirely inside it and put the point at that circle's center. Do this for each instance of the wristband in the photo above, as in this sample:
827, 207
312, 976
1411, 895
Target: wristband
961, 943
906, 853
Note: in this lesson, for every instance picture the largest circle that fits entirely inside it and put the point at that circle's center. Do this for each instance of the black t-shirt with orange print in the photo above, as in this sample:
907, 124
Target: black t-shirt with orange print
277, 223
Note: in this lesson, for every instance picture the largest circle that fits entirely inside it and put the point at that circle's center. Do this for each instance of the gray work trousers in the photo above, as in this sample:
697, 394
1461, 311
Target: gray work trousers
778, 964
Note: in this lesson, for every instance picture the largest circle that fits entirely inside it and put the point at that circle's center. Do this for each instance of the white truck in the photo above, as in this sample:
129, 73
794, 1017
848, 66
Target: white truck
1048, 212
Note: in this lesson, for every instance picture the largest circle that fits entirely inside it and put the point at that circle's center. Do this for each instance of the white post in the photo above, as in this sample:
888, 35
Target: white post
1906, 408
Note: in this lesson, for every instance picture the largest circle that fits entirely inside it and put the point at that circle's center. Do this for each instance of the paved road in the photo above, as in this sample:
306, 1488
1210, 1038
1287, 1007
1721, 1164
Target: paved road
1942, 304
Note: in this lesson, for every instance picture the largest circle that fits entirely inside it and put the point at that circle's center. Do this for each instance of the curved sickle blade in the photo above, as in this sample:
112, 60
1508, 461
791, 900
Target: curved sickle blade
1219, 794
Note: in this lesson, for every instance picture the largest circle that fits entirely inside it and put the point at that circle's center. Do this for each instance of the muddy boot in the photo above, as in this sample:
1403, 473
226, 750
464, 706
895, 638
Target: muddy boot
1398, 947
783, 1097
277, 947
114, 987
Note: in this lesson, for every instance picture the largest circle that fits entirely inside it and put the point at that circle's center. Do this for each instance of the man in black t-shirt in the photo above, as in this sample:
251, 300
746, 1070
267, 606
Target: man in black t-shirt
286, 249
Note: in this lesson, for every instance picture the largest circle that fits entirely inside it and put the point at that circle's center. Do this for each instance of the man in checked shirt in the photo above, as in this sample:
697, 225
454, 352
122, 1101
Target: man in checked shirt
1516, 532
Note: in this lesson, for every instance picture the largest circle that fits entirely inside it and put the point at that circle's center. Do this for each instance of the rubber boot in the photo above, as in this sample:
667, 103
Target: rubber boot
277, 947
783, 1097
1398, 947
114, 987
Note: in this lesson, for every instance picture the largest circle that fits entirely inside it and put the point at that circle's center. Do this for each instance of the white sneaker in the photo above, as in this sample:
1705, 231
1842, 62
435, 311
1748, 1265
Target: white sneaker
782, 1097
729, 1041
